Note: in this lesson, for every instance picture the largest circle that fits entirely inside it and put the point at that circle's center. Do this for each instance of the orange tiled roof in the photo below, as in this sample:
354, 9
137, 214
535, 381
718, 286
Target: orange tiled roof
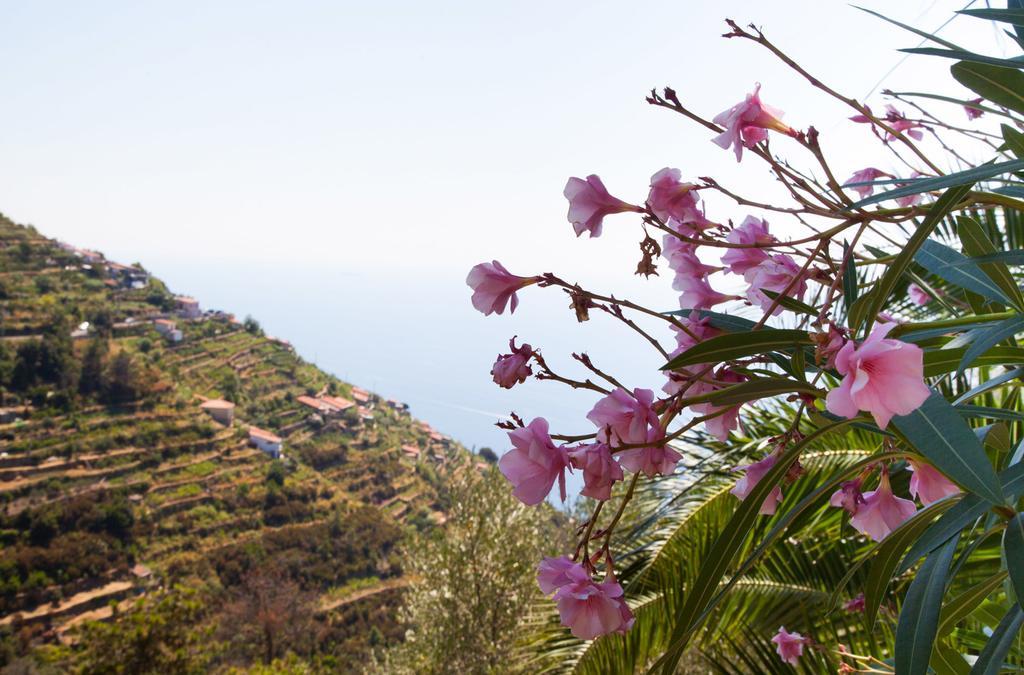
256, 432
217, 404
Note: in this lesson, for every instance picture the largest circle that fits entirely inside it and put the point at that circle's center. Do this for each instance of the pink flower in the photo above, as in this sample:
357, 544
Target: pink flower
534, 463
895, 120
751, 231
553, 573
671, 198
855, 604
974, 113
600, 470
828, 345
790, 646
754, 473
747, 123
928, 484
882, 511
775, 274
697, 292
589, 203
918, 295
653, 460
864, 176
884, 377
699, 330
682, 257
494, 286
719, 426
587, 608
623, 418
514, 368
848, 496
909, 200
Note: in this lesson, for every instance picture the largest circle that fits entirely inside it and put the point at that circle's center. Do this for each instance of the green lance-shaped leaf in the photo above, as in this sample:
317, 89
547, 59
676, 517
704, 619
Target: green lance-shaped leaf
887, 554
725, 548
849, 277
989, 385
792, 304
734, 346
968, 510
962, 605
942, 361
1013, 139
964, 55
976, 243
958, 269
1002, 86
919, 617
753, 390
1013, 551
1013, 13
943, 438
916, 186
884, 286
990, 661
725, 322
987, 338
948, 661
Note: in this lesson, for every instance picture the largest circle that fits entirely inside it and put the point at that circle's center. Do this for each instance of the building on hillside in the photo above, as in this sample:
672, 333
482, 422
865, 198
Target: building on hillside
328, 406
168, 329
361, 396
91, 257
220, 410
397, 405
82, 331
188, 308
410, 450
128, 276
266, 441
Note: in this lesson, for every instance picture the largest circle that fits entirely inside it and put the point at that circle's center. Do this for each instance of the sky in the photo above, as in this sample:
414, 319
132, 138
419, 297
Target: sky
335, 168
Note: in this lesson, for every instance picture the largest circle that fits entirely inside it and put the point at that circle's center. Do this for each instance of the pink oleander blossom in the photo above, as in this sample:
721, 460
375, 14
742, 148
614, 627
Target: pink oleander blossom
882, 511
848, 496
776, 274
918, 295
928, 484
828, 345
855, 604
864, 176
655, 459
884, 377
682, 257
672, 199
587, 608
589, 203
751, 231
747, 123
696, 330
754, 473
910, 200
514, 368
721, 425
624, 418
696, 292
896, 121
600, 470
790, 646
494, 287
553, 573
974, 113
534, 463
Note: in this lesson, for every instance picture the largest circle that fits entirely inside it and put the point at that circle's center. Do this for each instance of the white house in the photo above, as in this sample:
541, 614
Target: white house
188, 308
220, 410
266, 441
168, 329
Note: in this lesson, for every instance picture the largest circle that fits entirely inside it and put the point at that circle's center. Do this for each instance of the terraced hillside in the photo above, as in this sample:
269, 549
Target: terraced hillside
147, 446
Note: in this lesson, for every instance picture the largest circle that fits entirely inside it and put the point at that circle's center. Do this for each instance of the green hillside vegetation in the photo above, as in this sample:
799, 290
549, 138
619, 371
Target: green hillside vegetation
125, 507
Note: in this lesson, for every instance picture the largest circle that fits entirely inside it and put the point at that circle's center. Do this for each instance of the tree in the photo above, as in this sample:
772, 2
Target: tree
162, 633
270, 612
91, 379
122, 380
488, 455
474, 590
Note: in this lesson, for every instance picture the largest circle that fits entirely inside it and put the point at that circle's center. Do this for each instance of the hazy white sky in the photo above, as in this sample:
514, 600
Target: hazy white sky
335, 168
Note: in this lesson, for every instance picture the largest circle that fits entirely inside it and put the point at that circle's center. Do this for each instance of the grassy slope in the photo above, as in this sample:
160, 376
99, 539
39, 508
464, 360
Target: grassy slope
196, 497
